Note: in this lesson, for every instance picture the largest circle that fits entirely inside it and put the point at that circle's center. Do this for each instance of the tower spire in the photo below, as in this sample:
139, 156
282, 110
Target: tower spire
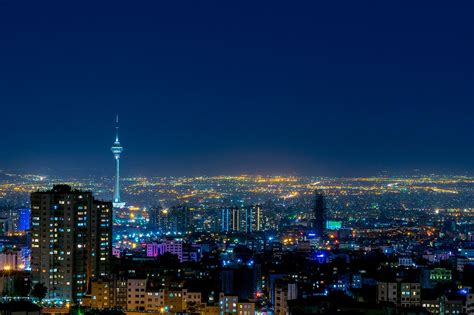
117, 128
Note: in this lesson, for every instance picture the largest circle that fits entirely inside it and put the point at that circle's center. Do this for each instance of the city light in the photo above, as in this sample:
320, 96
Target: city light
277, 158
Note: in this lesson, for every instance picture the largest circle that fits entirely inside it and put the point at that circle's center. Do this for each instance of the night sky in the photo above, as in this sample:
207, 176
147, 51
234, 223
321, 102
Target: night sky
222, 87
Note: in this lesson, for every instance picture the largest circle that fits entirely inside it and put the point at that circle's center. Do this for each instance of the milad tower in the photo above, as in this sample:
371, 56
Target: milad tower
117, 150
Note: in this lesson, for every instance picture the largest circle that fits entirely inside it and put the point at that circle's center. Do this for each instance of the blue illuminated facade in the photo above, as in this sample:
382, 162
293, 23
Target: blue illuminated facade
24, 219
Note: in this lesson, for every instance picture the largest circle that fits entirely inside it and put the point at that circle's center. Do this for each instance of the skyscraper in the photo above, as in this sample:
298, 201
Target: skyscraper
319, 214
246, 219
225, 220
117, 150
70, 240
252, 218
154, 217
230, 220
236, 221
181, 219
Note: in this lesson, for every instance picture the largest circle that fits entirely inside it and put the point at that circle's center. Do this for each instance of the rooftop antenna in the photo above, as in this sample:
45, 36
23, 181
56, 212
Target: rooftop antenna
116, 128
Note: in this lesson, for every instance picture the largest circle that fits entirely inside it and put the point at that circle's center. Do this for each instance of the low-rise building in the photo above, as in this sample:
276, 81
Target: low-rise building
284, 291
442, 305
440, 275
136, 292
230, 305
102, 294
406, 262
402, 294
173, 247
470, 304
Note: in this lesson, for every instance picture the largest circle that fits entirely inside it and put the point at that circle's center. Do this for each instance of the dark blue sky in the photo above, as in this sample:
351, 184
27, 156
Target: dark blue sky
206, 87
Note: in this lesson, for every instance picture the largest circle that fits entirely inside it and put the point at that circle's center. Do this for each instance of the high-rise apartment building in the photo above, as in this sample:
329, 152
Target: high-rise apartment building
402, 294
252, 218
71, 238
226, 219
181, 219
247, 219
154, 217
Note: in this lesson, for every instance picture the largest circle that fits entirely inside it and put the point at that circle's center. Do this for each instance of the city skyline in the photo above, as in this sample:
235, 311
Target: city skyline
271, 158
316, 88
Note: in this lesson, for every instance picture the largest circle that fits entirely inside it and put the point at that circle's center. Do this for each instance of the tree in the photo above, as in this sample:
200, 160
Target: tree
39, 291
21, 287
169, 261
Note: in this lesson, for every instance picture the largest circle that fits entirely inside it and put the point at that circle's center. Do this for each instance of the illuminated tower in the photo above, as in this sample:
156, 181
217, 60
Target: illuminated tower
117, 149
